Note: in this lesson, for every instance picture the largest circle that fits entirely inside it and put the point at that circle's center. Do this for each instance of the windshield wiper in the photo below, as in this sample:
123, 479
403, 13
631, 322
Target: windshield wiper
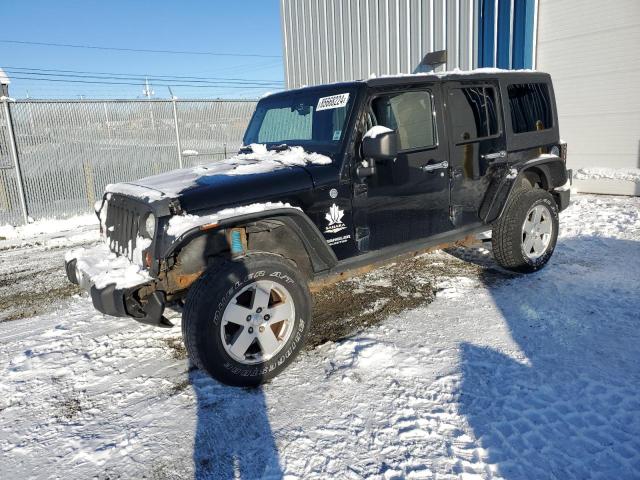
280, 148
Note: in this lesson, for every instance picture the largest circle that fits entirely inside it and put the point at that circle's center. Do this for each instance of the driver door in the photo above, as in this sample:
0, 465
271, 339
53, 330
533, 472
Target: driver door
408, 198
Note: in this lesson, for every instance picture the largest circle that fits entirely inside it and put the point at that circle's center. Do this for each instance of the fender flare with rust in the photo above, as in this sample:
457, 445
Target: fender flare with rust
495, 200
320, 253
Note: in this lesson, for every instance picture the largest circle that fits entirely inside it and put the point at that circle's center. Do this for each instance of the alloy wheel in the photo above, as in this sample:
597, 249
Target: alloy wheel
257, 322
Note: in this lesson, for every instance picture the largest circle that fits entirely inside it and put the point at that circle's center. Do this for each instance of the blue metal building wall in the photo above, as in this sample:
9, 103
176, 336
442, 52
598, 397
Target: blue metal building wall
506, 33
486, 36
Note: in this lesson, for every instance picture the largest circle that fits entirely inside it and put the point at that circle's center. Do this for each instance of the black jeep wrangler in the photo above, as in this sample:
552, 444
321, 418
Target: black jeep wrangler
331, 178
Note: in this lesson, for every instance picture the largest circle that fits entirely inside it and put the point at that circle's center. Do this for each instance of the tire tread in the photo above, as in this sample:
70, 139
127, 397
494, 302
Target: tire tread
201, 291
506, 235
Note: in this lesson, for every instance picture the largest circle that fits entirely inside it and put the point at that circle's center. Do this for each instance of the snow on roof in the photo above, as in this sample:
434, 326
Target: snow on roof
374, 77
455, 71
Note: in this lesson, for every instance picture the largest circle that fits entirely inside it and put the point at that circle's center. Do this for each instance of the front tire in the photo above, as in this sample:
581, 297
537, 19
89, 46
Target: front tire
525, 236
245, 320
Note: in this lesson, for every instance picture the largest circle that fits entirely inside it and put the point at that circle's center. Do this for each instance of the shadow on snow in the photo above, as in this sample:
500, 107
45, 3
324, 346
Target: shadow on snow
570, 407
233, 437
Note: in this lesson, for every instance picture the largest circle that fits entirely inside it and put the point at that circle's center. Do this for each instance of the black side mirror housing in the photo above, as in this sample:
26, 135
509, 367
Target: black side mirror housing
384, 146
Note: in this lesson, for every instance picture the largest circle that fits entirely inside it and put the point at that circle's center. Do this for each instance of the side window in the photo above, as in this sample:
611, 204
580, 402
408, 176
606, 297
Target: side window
530, 107
411, 114
474, 113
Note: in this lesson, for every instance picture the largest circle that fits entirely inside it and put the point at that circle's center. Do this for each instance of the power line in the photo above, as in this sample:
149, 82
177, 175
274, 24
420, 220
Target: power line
142, 50
143, 78
137, 84
141, 75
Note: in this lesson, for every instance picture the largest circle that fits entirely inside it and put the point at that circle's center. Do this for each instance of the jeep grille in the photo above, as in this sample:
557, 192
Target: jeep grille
122, 226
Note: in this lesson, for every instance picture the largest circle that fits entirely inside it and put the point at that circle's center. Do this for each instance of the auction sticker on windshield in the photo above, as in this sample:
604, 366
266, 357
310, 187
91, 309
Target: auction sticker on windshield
334, 101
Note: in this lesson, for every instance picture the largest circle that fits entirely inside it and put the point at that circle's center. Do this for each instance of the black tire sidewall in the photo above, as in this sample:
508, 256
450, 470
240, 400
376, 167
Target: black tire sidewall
528, 201
208, 308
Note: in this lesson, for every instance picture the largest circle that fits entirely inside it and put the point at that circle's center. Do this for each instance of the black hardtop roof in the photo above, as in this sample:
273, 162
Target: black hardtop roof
510, 76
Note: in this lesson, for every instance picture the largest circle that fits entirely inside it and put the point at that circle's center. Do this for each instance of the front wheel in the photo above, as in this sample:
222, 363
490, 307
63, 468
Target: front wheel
246, 320
525, 236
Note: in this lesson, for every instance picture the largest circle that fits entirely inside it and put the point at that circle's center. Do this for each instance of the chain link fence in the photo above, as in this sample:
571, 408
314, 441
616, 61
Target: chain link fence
66, 152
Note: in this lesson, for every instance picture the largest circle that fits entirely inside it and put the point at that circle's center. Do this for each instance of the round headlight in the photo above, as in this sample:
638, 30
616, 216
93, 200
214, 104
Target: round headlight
150, 225
555, 151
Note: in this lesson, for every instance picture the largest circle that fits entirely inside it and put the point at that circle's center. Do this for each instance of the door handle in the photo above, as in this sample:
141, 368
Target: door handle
493, 156
434, 166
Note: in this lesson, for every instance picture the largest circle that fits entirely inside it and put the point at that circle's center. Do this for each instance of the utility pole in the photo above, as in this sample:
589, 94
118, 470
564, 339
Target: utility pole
148, 92
174, 102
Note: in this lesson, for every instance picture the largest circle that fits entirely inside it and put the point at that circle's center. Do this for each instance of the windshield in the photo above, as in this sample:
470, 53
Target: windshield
313, 119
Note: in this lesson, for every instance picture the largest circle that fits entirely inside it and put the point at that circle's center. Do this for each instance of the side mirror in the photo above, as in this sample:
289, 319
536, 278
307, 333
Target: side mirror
379, 144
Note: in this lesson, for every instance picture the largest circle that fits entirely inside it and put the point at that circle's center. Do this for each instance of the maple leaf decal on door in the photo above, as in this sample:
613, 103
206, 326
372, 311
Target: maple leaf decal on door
334, 217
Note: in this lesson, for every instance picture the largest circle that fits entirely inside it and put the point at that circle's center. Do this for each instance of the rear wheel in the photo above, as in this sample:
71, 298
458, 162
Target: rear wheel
246, 320
525, 236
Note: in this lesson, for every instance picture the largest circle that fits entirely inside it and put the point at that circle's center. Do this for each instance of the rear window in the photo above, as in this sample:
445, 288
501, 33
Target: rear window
530, 107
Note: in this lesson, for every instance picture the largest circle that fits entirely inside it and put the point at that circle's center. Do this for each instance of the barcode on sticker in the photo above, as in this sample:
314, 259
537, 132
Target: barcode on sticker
334, 101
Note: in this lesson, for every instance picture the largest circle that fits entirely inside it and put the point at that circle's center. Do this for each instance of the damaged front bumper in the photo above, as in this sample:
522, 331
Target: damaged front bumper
114, 284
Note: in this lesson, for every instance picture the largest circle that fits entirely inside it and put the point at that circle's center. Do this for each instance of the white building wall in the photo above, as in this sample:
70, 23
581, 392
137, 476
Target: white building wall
590, 48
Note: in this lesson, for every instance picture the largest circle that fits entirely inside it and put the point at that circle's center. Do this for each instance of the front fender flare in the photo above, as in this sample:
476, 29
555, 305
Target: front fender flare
320, 253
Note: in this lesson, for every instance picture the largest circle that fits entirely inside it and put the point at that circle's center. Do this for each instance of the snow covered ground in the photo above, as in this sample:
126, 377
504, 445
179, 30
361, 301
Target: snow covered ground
498, 376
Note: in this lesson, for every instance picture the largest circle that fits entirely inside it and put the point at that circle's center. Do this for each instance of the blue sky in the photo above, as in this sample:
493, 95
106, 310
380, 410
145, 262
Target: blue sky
237, 27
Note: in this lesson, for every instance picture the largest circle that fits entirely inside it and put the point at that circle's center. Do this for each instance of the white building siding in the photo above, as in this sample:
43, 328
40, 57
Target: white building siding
590, 48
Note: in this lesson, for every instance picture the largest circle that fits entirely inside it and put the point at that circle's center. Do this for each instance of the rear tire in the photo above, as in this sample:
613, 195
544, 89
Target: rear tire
245, 320
525, 236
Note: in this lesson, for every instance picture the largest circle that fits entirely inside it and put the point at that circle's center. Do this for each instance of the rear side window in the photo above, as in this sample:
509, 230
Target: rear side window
474, 113
530, 107
411, 114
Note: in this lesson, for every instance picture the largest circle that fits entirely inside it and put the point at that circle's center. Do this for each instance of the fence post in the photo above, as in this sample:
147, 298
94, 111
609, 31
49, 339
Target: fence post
174, 101
16, 162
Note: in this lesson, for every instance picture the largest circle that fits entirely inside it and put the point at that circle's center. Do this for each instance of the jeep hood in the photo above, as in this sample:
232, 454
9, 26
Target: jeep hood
240, 180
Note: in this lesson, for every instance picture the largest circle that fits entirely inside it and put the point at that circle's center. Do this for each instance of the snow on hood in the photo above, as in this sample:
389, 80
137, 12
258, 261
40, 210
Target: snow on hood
137, 191
269, 160
260, 160
180, 224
